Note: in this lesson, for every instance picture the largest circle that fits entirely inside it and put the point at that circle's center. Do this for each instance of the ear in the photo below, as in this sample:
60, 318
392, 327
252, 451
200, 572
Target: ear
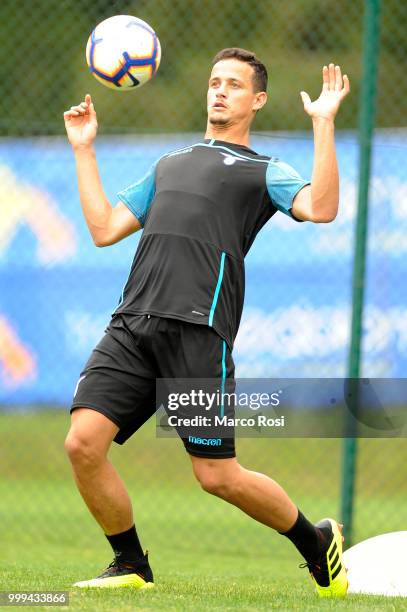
260, 100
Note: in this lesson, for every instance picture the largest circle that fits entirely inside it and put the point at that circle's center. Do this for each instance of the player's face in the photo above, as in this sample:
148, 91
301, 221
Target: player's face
231, 97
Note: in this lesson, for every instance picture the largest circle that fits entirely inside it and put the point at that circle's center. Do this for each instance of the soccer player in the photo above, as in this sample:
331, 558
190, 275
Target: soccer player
201, 208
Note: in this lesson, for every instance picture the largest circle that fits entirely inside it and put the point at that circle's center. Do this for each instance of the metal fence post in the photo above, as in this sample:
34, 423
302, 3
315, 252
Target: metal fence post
371, 45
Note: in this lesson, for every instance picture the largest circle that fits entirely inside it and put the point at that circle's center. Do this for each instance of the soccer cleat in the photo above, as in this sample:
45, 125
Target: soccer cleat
329, 574
119, 575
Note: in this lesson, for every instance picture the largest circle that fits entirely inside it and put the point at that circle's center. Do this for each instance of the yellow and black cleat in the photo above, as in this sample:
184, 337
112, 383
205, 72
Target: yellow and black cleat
329, 574
120, 575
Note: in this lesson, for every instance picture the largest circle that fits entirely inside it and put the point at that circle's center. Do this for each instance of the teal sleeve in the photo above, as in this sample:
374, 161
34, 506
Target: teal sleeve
138, 196
283, 184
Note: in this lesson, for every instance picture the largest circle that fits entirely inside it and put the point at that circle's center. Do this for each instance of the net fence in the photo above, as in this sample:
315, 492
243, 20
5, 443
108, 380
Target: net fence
58, 290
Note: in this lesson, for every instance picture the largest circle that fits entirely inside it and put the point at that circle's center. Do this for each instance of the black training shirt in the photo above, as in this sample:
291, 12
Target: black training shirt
201, 208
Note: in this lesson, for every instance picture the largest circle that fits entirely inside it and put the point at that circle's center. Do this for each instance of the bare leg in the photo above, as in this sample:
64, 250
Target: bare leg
256, 494
101, 487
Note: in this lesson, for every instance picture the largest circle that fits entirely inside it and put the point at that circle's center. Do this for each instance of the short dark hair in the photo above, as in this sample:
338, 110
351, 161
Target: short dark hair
260, 76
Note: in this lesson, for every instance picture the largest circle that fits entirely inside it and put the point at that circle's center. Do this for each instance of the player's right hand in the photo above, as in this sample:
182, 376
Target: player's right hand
81, 123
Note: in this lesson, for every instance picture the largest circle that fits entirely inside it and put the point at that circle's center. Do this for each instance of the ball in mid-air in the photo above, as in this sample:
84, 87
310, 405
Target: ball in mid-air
123, 52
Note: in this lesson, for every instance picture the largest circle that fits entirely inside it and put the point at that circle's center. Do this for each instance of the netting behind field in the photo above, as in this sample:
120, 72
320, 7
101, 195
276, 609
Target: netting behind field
57, 290
43, 68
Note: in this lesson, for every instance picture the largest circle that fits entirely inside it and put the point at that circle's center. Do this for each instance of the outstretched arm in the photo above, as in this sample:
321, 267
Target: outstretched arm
319, 202
106, 224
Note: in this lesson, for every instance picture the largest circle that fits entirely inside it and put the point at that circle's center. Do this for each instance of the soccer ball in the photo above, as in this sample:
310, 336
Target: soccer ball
123, 52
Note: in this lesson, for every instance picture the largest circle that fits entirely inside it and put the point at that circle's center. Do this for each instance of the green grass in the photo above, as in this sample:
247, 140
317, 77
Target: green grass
204, 553
222, 584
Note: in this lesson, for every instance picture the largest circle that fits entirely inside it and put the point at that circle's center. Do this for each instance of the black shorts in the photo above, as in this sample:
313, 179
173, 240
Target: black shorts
119, 379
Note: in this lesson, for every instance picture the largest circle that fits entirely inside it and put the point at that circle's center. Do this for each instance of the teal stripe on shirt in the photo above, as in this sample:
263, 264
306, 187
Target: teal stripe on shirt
217, 289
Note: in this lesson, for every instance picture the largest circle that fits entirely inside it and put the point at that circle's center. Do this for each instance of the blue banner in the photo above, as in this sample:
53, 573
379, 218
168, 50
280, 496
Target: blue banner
57, 290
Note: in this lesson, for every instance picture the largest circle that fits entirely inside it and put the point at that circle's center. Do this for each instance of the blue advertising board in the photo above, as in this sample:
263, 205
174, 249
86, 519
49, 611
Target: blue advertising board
57, 290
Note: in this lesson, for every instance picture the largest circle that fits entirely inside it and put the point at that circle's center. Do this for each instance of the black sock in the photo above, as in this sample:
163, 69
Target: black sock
126, 546
309, 540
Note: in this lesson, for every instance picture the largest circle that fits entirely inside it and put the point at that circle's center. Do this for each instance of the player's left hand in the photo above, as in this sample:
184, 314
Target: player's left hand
334, 89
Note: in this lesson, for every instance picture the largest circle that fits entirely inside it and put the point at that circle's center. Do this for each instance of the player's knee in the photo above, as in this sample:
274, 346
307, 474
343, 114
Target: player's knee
214, 480
80, 450
214, 485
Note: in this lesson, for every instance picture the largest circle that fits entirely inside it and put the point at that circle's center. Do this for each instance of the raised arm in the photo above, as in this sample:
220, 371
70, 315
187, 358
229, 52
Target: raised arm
319, 202
106, 224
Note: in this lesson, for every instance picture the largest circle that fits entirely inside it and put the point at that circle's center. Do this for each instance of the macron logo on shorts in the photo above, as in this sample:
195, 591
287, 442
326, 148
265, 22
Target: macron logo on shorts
77, 384
205, 441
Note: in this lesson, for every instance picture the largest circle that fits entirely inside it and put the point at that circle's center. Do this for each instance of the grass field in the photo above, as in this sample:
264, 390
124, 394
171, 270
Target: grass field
205, 554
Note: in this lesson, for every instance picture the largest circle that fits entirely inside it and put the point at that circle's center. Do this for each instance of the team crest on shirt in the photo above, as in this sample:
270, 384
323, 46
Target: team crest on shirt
229, 159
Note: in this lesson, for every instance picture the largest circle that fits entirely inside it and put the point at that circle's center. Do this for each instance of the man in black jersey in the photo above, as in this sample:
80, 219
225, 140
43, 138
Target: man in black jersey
201, 208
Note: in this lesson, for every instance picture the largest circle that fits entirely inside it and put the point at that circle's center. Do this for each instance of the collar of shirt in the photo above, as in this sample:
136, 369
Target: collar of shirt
230, 145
